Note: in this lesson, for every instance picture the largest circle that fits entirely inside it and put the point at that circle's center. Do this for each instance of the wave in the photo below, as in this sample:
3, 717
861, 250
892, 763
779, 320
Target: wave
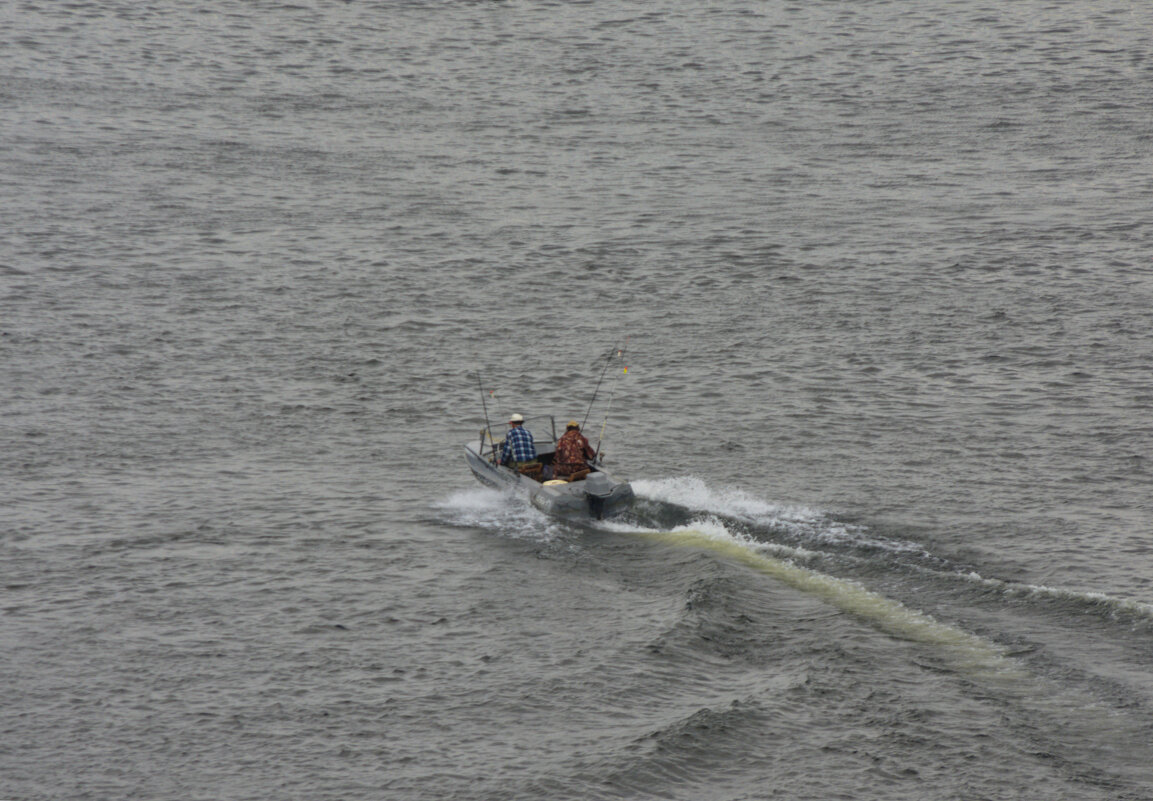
968, 651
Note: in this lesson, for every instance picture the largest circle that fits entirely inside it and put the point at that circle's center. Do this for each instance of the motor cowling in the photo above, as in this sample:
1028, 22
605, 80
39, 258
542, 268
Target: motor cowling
598, 488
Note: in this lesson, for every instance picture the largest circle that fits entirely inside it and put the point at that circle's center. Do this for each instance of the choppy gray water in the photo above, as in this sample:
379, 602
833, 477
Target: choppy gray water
883, 271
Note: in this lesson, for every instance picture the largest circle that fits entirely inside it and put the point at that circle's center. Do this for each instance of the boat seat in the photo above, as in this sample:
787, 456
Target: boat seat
532, 470
577, 476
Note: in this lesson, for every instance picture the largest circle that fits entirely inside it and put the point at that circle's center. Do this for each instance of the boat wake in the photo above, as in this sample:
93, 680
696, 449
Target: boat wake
958, 622
800, 526
797, 536
500, 511
812, 537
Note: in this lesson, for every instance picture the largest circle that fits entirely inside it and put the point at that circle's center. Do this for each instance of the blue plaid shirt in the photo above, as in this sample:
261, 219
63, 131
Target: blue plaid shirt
518, 445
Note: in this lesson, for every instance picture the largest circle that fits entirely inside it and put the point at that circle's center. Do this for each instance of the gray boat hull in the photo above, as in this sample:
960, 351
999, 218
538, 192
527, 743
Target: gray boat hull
600, 495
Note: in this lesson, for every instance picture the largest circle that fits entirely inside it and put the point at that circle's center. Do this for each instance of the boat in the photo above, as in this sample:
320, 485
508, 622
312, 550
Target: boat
592, 494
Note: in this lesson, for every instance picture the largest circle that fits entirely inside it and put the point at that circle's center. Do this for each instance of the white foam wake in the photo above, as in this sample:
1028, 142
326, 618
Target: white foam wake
494, 510
803, 523
1107, 603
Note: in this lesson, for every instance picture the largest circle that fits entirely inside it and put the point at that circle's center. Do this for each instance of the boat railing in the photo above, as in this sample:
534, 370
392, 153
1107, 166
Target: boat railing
538, 421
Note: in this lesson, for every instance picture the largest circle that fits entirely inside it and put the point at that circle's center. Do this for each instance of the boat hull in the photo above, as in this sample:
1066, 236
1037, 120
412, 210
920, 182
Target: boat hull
600, 495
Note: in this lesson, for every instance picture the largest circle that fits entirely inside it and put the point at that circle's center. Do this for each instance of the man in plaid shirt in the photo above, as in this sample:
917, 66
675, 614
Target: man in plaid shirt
519, 447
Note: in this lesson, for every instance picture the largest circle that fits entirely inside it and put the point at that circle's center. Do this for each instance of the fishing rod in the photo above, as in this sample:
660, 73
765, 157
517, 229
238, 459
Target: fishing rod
608, 362
604, 423
608, 408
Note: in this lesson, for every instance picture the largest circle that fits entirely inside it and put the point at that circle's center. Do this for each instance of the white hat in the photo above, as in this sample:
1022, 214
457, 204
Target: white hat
516, 418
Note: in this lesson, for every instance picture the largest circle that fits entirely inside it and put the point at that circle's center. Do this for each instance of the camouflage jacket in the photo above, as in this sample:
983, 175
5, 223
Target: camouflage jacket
572, 449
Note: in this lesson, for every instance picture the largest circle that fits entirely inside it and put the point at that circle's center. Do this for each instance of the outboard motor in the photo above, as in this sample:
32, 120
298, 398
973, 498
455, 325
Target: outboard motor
598, 488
